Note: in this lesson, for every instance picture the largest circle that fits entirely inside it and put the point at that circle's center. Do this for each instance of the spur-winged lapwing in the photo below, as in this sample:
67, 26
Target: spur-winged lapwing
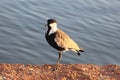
60, 40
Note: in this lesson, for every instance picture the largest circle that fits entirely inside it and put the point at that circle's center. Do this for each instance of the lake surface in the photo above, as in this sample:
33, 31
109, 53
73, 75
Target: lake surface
93, 24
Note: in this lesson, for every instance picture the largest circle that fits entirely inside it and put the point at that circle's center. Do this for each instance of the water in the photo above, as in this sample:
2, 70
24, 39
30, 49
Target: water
93, 24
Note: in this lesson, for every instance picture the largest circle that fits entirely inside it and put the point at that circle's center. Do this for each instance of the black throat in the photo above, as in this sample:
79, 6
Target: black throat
51, 40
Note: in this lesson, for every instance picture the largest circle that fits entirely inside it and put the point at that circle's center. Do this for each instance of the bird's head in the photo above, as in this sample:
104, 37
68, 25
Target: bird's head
51, 24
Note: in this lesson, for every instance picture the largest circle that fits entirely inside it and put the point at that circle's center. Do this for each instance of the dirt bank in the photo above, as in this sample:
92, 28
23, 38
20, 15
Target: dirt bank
63, 72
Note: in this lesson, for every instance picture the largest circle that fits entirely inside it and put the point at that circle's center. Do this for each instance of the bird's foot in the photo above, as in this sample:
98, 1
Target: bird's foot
56, 67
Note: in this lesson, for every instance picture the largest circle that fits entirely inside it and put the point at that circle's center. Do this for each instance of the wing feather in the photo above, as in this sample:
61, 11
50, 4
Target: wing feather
64, 41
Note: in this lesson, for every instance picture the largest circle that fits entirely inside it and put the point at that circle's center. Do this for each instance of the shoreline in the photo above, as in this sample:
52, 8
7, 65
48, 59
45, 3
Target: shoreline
63, 72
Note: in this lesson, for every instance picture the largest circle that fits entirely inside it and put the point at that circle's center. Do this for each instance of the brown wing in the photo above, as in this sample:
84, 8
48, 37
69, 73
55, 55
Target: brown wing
64, 41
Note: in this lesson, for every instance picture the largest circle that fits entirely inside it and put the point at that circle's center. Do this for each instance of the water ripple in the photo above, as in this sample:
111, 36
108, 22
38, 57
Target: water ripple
94, 25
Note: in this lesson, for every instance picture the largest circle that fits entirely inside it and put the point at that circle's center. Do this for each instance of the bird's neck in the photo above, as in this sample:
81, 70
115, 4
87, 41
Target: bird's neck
52, 30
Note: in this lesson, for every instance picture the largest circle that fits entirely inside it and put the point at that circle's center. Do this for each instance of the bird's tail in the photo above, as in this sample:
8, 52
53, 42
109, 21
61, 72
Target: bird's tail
81, 50
77, 51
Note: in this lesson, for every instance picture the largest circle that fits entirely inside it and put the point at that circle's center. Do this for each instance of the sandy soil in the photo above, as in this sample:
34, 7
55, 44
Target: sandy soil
59, 72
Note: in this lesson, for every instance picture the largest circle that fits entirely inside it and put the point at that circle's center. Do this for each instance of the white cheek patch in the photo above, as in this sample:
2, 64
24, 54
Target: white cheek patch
53, 25
53, 28
52, 31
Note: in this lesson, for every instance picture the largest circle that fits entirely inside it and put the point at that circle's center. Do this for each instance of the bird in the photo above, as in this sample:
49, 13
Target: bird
60, 40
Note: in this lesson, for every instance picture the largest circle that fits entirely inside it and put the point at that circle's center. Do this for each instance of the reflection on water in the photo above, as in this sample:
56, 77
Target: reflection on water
94, 25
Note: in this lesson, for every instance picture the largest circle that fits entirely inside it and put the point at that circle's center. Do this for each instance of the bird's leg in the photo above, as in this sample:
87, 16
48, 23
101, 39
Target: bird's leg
58, 61
60, 57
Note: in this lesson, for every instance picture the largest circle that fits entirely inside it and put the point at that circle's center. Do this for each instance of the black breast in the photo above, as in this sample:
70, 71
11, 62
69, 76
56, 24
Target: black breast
51, 40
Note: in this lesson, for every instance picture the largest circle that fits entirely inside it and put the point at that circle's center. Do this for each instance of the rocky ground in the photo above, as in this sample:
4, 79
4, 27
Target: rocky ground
59, 72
